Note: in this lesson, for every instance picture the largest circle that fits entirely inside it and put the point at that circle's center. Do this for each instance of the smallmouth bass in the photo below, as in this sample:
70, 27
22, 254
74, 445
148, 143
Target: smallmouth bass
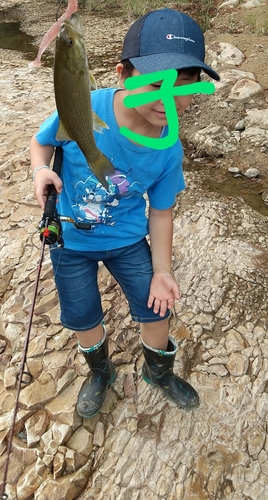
72, 84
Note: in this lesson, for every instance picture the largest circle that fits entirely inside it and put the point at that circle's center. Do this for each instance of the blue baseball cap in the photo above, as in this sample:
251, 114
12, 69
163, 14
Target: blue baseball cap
166, 39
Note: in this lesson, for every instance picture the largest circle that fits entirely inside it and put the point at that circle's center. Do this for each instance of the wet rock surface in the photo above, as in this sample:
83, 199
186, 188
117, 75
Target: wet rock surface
142, 446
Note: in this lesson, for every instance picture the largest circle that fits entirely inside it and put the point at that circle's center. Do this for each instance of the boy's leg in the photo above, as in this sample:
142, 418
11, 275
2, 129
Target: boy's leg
159, 352
91, 337
76, 279
92, 395
132, 268
155, 334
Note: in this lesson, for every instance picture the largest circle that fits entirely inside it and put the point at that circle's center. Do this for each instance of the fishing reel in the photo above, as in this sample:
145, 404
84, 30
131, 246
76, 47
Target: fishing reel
50, 225
50, 228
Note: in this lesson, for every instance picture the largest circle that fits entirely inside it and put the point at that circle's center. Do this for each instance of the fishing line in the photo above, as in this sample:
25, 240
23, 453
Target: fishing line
57, 13
22, 373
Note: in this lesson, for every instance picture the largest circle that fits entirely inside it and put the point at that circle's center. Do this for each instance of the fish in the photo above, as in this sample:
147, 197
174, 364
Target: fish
72, 87
51, 34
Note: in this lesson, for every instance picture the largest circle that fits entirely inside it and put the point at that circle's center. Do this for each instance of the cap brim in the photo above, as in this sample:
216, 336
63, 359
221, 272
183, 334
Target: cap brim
161, 62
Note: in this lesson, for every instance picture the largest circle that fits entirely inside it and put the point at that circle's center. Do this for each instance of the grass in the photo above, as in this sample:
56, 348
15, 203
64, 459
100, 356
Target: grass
256, 26
200, 10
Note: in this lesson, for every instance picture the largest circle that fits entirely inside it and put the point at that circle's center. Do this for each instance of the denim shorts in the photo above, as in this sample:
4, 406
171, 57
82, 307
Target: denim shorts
75, 275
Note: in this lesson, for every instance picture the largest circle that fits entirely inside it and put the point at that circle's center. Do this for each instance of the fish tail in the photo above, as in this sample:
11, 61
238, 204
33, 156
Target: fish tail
102, 167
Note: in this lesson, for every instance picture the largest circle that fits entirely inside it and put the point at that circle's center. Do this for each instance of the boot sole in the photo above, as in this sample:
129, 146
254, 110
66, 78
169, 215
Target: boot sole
183, 407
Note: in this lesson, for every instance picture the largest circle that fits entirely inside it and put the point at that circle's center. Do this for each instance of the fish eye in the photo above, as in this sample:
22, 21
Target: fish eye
70, 42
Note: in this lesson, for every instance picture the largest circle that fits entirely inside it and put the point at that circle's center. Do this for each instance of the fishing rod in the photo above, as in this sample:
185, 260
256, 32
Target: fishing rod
50, 234
58, 9
49, 230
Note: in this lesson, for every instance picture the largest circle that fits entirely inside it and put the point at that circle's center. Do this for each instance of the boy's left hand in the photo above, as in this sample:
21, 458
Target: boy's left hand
163, 292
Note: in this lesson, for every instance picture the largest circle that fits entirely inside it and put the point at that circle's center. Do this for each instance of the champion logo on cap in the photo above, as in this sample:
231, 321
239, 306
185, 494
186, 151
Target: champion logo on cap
171, 37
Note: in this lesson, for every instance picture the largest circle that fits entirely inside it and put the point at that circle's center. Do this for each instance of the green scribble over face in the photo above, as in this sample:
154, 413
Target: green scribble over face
166, 94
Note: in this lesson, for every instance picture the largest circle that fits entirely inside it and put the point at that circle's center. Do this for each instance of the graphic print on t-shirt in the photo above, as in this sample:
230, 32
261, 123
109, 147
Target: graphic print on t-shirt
94, 204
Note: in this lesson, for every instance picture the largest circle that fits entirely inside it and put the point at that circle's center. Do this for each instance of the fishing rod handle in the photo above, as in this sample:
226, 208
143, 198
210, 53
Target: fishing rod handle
57, 164
52, 194
50, 205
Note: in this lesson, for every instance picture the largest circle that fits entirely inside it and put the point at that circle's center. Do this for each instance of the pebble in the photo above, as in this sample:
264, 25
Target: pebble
251, 173
240, 125
229, 4
234, 170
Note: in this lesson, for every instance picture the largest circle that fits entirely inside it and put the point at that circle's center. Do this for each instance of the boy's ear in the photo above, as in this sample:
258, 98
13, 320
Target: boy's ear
119, 70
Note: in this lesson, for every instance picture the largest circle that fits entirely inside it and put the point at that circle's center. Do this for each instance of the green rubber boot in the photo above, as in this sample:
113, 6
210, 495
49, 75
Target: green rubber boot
91, 396
157, 370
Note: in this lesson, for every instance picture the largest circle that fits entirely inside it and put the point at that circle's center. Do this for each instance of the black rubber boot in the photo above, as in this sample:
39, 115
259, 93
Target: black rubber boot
103, 374
157, 370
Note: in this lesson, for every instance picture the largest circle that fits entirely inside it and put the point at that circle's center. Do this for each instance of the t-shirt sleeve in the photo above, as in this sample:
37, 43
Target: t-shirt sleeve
48, 131
162, 194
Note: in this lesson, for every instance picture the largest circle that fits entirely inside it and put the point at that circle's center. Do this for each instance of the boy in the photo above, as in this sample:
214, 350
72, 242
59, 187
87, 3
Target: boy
160, 40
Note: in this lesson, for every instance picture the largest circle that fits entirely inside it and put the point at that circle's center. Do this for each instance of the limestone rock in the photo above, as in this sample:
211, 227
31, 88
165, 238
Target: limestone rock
262, 406
30, 481
244, 88
62, 407
257, 118
129, 385
74, 461
61, 432
229, 4
226, 53
249, 4
215, 140
10, 377
38, 392
66, 487
98, 437
237, 364
255, 441
81, 441
234, 342
255, 135
35, 427
58, 464
251, 173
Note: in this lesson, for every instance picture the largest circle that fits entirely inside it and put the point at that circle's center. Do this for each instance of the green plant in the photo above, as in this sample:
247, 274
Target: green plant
206, 9
100, 5
252, 22
258, 26
232, 22
136, 8
201, 10
264, 28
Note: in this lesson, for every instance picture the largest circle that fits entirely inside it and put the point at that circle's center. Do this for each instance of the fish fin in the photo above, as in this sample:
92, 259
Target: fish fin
102, 167
62, 135
92, 81
98, 124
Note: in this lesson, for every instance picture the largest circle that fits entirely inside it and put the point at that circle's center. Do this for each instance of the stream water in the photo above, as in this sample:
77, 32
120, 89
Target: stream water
227, 185
248, 189
12, 37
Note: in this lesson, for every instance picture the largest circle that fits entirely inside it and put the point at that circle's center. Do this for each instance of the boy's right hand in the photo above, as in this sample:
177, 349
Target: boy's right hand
43, 179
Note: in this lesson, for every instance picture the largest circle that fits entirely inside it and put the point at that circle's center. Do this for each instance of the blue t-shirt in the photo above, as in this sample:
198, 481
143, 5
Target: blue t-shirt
118, 216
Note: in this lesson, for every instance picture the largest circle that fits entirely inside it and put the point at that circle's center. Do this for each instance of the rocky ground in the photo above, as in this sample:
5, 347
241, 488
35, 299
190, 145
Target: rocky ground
141, 447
